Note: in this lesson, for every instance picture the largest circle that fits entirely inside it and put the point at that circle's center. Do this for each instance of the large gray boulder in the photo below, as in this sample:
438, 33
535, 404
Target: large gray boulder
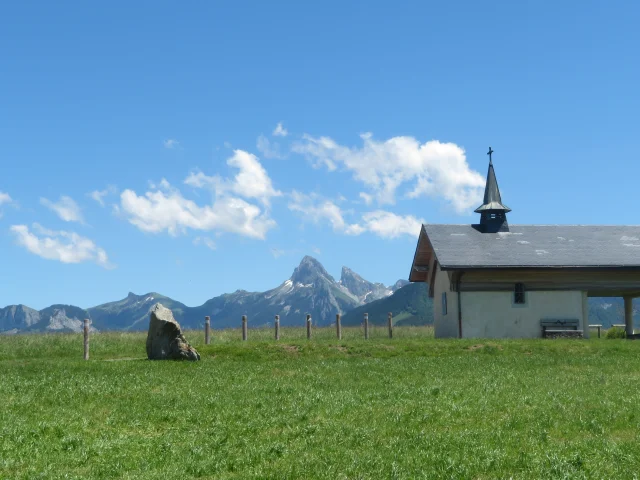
165, 339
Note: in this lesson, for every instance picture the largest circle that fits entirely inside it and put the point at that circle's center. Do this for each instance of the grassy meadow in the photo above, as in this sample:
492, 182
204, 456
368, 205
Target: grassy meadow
411, 407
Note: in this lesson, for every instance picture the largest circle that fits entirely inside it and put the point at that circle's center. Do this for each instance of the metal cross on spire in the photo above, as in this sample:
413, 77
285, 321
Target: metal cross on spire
489, 153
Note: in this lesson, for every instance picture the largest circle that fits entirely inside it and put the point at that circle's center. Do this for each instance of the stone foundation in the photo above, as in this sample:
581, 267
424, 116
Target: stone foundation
564, 334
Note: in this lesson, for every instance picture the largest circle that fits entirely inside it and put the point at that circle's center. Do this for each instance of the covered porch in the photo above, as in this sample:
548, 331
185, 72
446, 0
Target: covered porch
627, 295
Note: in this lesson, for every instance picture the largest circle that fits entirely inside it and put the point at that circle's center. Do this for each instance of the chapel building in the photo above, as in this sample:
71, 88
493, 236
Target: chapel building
495, 280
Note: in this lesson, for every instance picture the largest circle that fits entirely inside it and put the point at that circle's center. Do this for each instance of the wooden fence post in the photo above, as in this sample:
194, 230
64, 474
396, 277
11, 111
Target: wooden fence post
338, 327
244, 327
308, 327
366, 326
277, 322
207, 330
390, 321
86, 339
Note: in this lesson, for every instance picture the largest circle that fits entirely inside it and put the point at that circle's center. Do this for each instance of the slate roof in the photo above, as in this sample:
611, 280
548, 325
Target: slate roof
463, 246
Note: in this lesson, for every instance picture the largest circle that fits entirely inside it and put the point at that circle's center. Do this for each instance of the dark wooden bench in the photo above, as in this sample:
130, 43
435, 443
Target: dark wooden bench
560, 328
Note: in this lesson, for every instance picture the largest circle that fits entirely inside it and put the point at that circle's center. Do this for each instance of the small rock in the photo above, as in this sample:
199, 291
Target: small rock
165, 339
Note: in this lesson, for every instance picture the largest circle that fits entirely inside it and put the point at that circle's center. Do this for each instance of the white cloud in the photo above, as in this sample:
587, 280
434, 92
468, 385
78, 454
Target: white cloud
167, 210
368, 199
433, 168
207, 242
389, 225
66, 247
354, 229
381, 223
277, 253
98, 195
280, 131
252, 180
267, 148
163, 185
4, 199
197, 180
171, 143
316, 210
66, 208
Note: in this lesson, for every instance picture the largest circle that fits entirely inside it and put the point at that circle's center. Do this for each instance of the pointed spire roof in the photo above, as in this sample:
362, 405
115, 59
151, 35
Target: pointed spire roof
492, 200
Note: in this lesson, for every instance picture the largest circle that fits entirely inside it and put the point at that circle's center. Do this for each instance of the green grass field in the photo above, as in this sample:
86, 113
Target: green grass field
411, 407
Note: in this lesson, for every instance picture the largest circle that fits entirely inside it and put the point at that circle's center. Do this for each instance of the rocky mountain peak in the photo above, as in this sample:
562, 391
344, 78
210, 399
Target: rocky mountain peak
21, 309
399, 284
348, 275
364, 290
354, 282
19, 317
309, 271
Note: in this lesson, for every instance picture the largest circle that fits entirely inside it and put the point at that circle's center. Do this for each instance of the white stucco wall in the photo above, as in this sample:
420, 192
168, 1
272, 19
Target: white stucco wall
494, 315
445, 326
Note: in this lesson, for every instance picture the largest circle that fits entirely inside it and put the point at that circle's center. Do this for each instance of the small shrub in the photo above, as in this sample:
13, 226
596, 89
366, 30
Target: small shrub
616, 332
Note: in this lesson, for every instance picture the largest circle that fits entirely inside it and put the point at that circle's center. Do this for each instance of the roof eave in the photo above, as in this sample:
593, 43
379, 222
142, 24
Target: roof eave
423, 231
487, 207
539, 267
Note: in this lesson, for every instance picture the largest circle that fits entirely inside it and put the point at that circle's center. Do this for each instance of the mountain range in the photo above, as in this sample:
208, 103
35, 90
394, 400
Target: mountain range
309, 290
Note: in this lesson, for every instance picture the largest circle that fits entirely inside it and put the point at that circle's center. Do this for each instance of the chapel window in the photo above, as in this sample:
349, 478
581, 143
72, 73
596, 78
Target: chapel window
518, 293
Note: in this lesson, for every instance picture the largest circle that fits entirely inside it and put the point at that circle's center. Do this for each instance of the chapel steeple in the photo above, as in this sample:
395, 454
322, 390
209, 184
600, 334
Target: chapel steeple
492, 212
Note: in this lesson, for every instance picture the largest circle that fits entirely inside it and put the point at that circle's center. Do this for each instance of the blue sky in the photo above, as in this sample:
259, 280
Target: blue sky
197, 149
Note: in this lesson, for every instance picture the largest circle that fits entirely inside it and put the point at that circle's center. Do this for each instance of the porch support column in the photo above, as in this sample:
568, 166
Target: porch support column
585, 315
628, 314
